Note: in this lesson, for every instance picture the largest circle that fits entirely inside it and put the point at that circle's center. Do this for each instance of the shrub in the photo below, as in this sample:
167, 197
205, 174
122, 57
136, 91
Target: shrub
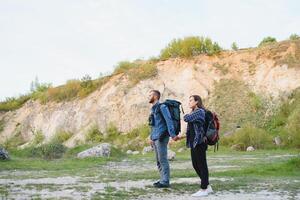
249, 135
190, 46
61, 136
71, 90
234, 46
101, 81
124, 66
14, 141
136, 139
267, 40
51, 150
94, 135
112, 133
67, 92
87, 86
12, 103
38, 138
286, 114
2, 125
294, 37
292, 130
144, 71
40, 90
286, 123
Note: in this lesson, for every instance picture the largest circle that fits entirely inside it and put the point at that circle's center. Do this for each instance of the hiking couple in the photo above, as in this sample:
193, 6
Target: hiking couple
162, 128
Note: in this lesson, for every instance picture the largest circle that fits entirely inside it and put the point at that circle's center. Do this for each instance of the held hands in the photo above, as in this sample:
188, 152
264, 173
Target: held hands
181, 136
177, 138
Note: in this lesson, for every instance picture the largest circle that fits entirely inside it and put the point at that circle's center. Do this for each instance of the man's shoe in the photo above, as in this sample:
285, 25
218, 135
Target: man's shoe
160, 185
156, 183
200, 193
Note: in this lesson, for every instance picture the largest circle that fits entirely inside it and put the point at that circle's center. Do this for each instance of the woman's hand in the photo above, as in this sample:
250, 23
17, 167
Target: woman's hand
181, 136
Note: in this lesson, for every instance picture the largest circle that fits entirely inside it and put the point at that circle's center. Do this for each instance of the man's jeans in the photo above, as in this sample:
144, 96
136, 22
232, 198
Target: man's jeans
161, 153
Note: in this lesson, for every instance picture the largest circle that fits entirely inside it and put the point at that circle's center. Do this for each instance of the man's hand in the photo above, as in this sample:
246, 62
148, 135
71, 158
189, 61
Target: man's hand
151, 142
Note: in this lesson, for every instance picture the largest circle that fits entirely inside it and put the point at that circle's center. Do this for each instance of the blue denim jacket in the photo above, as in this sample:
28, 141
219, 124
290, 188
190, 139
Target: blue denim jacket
162, 122
195, 119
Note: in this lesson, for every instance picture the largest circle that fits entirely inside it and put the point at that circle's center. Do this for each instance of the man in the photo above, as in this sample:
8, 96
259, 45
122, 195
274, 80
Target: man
161, 129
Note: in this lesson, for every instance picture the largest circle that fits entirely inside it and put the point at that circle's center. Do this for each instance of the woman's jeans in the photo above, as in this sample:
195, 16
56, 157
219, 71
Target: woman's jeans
198, 155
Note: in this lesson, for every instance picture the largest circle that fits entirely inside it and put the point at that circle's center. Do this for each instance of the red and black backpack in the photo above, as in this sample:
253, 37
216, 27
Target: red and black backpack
211, 128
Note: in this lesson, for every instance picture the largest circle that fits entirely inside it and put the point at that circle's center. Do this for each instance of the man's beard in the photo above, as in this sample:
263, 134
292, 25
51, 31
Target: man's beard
151, 100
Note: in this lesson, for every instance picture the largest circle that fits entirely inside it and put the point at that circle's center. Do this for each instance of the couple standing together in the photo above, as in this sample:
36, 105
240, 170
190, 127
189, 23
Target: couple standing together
162, 129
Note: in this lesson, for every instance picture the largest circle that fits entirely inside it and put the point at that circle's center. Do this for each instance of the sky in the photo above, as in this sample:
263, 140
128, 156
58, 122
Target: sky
59, 40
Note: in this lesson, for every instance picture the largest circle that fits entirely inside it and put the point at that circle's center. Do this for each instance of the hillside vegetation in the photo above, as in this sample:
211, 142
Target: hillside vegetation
247, 118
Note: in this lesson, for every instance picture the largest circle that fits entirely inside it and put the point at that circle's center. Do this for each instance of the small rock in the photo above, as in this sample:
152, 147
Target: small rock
128, 152
171, 155
101, 150
3, 154
135, 152
250, 148
277, 141
147, 149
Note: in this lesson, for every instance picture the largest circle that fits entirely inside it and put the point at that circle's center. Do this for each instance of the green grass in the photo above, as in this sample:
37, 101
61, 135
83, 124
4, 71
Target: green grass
266, 174
72, 165
20, 160
112, 193
13, 103
290, 168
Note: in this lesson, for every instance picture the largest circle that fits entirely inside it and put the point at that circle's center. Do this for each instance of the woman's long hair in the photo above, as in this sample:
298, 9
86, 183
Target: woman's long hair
199, 101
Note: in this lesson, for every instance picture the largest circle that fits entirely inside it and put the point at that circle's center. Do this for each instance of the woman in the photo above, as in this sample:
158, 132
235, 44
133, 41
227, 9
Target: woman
196, 140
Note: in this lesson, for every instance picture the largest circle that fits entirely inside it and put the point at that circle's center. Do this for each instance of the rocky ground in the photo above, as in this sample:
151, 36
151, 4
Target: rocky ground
132, 176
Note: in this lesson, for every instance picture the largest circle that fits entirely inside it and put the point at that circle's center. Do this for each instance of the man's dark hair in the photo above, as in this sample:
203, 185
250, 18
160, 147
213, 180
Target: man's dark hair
157, 93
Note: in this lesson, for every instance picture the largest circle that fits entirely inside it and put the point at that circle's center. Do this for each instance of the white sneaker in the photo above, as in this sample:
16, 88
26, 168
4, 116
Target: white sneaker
209, 189
200, 193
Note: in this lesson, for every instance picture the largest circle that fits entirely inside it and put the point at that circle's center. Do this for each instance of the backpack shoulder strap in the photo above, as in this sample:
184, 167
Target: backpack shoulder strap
158, 110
